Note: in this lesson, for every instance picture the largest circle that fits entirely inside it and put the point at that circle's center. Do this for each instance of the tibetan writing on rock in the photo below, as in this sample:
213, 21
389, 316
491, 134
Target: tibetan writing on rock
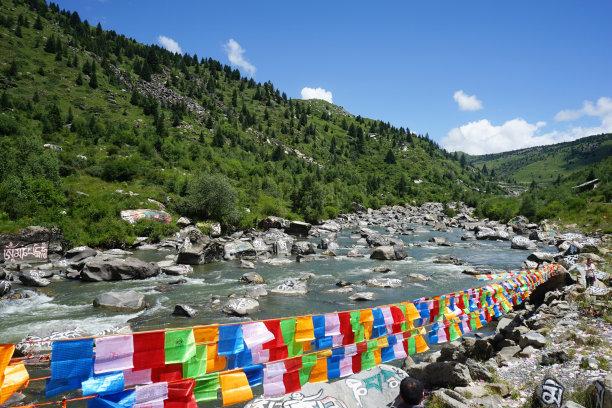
21, 253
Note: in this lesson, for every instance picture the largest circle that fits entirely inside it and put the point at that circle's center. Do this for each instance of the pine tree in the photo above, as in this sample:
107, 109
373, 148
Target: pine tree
93, 78
390, 157
18, 32
218, 138
79, 80
70, 117
38, 25
13, 69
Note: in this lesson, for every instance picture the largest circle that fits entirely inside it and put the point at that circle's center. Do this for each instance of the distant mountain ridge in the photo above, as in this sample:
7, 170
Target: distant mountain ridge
546, 163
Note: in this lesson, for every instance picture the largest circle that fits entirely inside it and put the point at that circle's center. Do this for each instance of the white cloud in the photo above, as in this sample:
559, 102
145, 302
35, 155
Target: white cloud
483, 137
235, 54
467, 102
317, 93
169, 44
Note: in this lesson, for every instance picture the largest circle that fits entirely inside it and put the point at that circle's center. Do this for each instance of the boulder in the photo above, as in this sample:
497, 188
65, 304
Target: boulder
256, 291
79, 253
541, 257
33, 278
238, 249
508, 353
298, 228
128, 301
183, 222
519, 242
302, 248
362, 296
537, 235
417, 277
441, 241
384, 282
5, 287
177, 270
354, 253
532, 338
381, 269
446, 398
184, 311
388, 253
100, 269
273, 222
241, 306
190, 253
246, 264
215, 230
291, 287
554, 357
446, 374
331, 226
252, 277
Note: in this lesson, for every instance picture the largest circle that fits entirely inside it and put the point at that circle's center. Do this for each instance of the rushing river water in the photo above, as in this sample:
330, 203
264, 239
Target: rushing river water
66, 305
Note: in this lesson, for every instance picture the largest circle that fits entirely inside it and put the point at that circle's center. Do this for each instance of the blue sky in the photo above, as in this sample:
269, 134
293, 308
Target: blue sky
478, 76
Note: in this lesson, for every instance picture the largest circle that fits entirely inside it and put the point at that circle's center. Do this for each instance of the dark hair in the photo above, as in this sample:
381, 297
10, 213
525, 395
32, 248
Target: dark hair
411, 391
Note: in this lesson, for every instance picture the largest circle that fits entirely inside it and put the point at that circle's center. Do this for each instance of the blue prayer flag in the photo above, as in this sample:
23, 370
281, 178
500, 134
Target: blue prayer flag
324, 343
71, 358
378, 326
124, 399
107, 383
230, 340
57, 387
254, 374
319, 326
387, 354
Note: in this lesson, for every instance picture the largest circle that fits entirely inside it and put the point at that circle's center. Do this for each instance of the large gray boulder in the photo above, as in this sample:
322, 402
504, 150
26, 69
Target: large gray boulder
445, 374
34, 278
241, 306
384, 282
177, 270
532, 338
303, 248
388, 253
291, 287
273, 222
79, 253
184, 311
238, 249
252, 277
380, 387
541, 257
520, 242
5, 287
362, 296
298, 228
126, 301
100, 269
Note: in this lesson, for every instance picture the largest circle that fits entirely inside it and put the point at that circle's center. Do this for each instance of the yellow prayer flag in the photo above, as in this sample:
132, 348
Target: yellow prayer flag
421, 344
206, 334
382, 342
235, 388
377, 357
214, 362
319, 371
324, 353
304, 329
6, 352
411, 312
15, 377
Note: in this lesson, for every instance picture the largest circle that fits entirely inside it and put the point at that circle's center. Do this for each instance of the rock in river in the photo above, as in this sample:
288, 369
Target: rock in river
177, 270
252, 277
241, 306
303, 248
184, 311
33, 278
388, 253
100, 269
5, 287
298, 228
79, 253
362, 296
291, 287
519, 242
384, 282
121, 301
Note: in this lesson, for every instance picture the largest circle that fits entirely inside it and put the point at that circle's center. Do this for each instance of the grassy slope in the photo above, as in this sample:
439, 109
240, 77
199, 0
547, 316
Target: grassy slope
164, 164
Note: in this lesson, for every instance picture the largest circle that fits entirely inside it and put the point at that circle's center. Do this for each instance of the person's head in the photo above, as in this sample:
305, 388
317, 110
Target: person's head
411, 391
589, 261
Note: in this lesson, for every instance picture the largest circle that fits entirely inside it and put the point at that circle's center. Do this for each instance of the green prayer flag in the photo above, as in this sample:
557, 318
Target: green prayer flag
411, 345
372, 345
196, 366
357, 327
179, 346
473, 323
367, 360
441, 307
288, 330
452, 331
308, 362
206, 387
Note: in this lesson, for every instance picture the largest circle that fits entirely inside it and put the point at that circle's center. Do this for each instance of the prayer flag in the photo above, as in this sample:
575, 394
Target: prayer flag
256, 334
274, 327
138, 377
357, 327
273, 383
151, 393
57, 387
304, 329
308, 362
107, 383
319, 326
421, 344
291, 380
149, 350
367, 360
124, 399
206, 334
254, 374
367, 320
71, 358
235, 388
288, 327
15, 377
113, 353
332, 324
171, 372
319, 371
180, 394
214, 362
206, 387
196, 365
379, 324
6, 353
179, 346
230, 340
346, 329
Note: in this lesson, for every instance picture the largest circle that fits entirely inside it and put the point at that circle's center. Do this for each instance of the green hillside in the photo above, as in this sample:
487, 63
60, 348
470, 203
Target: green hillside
545, 164
93, 122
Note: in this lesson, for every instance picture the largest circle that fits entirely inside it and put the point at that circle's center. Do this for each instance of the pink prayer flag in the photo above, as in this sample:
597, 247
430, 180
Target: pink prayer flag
350, 350
442, 335
386, 311
138, 377
332, 324
273, 384
151, 393
150, 404
256, 334
260, 355
346, 366
398, 347
114, 353
337, 340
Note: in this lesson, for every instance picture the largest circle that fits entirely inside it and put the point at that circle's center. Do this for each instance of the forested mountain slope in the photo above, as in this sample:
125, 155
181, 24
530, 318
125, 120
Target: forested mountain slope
547, 164
93, 122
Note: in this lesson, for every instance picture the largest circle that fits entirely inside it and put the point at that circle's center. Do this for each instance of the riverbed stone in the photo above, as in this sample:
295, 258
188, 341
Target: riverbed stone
388, 253
520, 242
446, 374
384, 282
362, 296
532, 338
440, 241
298, 228
541, 257
241, 306
238, 249
128, 300
252, 277
273, 222
177, 270
417, 277
246, 264
99, 269
291, 287
184, 311
33, 278
79, 253
5, 287
302, 248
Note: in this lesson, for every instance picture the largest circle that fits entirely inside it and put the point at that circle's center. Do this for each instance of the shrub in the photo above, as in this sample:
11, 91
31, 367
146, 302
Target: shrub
119, 169
211, 197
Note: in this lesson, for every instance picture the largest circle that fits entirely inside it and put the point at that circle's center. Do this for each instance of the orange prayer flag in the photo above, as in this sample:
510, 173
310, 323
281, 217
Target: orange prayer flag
304, 329
214, 362
206, 334
15, 377
377, 357
421, 344
319, 371
411, 312
383, 342
235, 388
6, 352
366, 318
324, 353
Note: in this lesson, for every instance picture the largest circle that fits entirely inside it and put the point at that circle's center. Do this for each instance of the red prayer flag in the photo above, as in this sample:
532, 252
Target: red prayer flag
346, 329
357, 363
278, 353
180, 394
274, 327
433, 313
293, 364
149, 350
171, 372
291, 380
